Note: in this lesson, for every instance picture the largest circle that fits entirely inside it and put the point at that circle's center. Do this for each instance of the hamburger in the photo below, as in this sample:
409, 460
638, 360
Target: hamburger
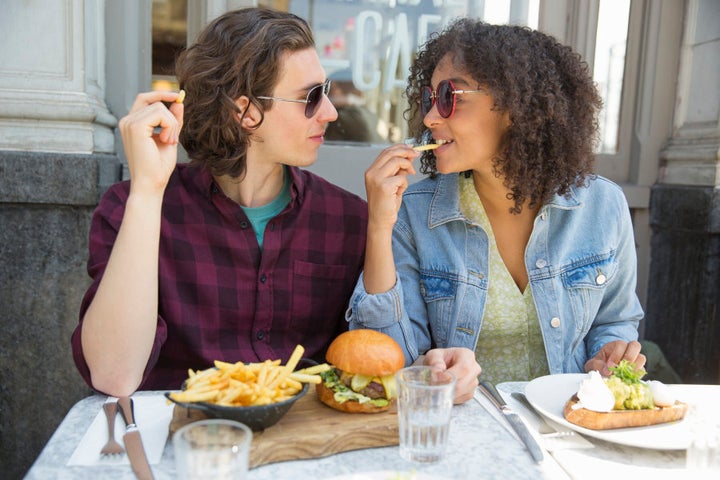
362, 377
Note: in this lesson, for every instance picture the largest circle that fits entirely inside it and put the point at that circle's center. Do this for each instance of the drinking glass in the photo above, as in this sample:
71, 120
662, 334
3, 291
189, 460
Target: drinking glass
703, 452
212, 449
425, 400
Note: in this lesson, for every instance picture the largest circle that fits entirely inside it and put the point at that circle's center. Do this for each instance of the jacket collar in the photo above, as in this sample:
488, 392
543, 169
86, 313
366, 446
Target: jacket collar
445, 202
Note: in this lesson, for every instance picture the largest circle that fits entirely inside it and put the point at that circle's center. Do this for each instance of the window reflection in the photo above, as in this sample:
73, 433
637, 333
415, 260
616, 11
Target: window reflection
609, 68
367, 46
169, 33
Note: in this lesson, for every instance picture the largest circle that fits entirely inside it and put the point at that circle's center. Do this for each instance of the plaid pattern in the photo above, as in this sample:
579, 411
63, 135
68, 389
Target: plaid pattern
221, 298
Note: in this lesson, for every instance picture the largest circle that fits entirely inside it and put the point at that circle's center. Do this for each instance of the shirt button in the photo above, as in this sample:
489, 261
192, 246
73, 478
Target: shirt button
263, 278
260, 335
555, 322
540, 263
243, 224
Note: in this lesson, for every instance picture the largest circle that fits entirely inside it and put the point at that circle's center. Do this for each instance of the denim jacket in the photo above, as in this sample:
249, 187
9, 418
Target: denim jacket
580, 259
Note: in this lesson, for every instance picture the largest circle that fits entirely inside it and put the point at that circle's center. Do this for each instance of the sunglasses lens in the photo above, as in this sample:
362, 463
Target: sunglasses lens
314, 98
445, 99
426, 101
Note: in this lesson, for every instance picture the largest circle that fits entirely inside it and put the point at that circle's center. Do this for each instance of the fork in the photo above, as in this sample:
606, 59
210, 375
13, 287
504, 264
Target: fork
111, 447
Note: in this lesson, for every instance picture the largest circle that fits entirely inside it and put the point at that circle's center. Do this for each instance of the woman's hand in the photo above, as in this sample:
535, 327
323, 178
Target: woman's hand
152, 156
385, 182
460, 361
613, 353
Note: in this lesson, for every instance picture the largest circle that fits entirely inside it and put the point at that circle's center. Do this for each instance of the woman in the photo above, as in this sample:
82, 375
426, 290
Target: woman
512, 253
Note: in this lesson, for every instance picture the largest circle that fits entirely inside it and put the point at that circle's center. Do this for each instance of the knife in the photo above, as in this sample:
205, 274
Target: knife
133, 441
514, 419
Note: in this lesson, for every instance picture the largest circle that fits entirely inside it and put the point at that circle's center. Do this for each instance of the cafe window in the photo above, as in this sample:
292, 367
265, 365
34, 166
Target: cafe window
609, 68
169, 37
367, 46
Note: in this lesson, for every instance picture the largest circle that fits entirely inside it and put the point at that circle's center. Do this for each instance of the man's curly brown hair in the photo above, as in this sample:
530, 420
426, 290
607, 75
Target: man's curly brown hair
238, 53
547, 90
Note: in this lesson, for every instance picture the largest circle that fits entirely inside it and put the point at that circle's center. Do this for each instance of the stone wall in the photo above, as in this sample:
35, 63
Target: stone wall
46, 203
684, 288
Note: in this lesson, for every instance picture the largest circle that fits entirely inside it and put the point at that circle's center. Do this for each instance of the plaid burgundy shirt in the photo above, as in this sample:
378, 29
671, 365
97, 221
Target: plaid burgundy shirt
220, 296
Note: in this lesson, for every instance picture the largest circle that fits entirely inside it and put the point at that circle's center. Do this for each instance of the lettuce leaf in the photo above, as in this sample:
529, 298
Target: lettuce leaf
627, 372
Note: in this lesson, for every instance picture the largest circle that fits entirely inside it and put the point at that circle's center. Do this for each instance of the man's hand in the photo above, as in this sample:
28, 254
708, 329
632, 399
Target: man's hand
612, 353
461, 362
152, 154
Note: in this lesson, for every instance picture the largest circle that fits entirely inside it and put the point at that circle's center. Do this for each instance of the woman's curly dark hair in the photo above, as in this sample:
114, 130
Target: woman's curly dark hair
237, 54
547, 90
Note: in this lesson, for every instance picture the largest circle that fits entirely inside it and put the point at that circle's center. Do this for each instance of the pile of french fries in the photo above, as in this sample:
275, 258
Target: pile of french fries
246, 384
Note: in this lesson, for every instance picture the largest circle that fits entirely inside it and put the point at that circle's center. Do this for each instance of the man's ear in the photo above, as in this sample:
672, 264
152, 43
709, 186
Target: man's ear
251, 116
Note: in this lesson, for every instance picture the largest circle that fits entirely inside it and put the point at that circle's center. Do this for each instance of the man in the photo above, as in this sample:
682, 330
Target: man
239, 255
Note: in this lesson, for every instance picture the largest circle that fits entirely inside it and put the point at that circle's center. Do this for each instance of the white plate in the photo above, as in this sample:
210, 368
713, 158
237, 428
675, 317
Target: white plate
549, 394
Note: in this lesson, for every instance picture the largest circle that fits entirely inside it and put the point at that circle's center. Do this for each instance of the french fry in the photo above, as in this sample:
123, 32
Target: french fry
289, 366
305, 378
241, 384
314, 370
429, 146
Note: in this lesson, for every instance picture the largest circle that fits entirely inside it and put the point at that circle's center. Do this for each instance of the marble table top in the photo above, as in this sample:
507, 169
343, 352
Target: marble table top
481, 445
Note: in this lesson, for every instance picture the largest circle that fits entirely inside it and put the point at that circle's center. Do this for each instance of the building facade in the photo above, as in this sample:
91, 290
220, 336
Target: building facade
69, 69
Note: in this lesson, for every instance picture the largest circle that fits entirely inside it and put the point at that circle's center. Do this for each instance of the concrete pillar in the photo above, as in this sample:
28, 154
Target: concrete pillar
56, 156
52, 79
683, 314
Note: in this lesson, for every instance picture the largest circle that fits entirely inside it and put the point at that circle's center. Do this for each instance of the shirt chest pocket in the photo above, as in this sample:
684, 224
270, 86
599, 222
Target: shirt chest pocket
585, 285
437, 286
320, 292
438, 290
594, 273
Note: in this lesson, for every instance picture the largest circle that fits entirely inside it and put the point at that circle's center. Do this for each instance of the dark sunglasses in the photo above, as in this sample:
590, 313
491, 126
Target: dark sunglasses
444, 97
312, 101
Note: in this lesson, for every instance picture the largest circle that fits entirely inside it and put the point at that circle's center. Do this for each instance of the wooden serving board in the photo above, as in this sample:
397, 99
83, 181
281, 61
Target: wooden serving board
312, 430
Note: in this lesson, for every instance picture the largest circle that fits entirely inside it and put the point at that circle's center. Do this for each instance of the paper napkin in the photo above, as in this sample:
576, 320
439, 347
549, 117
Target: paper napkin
152, 414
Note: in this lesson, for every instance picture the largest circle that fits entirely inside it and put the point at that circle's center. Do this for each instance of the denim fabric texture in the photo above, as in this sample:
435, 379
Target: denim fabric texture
581, 263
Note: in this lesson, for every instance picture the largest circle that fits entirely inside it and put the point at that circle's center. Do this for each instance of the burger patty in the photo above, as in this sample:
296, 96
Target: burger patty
372, 390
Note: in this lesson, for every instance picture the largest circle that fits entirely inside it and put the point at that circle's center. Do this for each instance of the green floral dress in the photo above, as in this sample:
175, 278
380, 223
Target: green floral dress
511, 346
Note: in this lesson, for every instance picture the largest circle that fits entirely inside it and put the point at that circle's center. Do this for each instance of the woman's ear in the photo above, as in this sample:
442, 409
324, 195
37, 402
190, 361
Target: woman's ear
248, 115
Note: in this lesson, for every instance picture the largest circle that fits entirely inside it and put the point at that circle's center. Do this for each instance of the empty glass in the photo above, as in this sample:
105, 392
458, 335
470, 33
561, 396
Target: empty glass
212, 449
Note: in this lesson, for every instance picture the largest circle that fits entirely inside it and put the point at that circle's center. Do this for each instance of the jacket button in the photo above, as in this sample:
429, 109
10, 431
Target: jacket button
260, 335
600, 279
555, 322
541, 263
243, 224
263, 278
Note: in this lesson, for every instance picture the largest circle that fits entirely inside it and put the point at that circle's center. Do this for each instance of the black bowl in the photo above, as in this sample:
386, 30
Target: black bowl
257, 417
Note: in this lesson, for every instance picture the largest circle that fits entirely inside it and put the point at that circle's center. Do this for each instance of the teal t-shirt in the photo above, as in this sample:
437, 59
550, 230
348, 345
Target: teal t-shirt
260, 216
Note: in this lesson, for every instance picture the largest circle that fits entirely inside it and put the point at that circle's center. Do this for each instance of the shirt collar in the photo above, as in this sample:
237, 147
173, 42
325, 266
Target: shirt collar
297, 184
201, 178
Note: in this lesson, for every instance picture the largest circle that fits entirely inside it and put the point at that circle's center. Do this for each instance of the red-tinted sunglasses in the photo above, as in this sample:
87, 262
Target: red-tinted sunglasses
444, 97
